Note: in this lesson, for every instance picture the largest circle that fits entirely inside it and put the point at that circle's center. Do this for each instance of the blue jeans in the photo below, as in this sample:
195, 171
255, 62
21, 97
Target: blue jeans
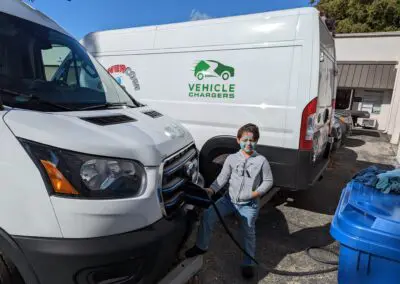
248, 214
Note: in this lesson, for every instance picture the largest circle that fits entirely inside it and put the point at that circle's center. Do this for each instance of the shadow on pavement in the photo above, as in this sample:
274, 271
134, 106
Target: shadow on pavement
351, 142
324, 196
274, 243
372, 133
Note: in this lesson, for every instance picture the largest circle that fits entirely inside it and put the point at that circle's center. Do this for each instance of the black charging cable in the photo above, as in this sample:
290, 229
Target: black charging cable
273, 270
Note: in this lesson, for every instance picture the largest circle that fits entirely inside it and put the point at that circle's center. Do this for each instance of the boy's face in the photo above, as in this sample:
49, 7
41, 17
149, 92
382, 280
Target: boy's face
247, 142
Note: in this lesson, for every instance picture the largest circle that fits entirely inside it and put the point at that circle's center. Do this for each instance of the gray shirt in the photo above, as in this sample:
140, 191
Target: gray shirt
244, 176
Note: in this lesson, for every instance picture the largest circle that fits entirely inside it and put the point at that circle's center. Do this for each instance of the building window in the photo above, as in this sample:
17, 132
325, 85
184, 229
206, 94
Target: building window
343, 98
376, 109
372, 103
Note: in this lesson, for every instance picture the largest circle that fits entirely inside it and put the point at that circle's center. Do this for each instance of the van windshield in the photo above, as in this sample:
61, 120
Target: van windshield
45, 70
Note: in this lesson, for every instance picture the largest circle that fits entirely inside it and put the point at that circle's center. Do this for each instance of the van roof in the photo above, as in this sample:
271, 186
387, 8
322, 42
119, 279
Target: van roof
276, 26
24, 11
281, 13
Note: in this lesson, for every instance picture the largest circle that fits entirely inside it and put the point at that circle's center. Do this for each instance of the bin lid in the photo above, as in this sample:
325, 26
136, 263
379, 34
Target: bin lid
368, 220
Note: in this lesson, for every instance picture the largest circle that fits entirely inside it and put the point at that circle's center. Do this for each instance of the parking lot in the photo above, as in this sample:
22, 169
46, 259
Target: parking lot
292, 222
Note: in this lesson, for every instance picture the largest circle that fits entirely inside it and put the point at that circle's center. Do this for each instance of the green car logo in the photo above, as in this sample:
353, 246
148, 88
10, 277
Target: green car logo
212, 68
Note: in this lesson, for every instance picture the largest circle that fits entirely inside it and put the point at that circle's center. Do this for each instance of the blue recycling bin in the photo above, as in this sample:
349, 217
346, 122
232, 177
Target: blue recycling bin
367, 226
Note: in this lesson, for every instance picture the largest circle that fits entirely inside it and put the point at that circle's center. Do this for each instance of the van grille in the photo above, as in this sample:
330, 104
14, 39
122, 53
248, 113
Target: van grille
174, 177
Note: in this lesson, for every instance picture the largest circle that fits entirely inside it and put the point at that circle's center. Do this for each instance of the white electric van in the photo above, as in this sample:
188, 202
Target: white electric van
91, 179
274, 69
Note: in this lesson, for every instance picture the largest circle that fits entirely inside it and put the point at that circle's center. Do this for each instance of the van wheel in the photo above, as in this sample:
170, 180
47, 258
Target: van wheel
8, 272
200, 76
211, 164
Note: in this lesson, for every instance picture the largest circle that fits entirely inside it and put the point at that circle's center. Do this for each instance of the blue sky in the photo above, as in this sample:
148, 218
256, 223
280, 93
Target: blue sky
80, 17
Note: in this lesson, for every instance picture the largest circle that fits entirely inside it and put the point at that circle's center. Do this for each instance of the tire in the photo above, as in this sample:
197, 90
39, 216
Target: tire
200, 76
211, 166
8, 272
209, 169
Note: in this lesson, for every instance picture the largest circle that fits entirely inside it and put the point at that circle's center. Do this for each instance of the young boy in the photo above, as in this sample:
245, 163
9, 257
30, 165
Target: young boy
249, 177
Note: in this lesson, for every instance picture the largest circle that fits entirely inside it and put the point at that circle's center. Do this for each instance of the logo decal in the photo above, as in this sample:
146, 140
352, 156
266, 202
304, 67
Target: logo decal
212, 68
212, 77
120, 71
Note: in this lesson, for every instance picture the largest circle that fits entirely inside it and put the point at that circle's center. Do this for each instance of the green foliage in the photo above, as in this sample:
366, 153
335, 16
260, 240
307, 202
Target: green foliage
358, 16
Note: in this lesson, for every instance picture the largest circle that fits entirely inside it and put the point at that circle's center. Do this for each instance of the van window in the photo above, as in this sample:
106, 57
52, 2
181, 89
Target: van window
53, 58
37, 61
343, 97
63, 66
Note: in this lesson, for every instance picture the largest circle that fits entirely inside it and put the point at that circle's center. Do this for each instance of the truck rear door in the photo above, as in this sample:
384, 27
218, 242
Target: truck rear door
324, 108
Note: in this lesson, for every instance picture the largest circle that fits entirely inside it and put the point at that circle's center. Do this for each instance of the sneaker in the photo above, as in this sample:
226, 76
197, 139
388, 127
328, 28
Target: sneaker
248, 272
194, 251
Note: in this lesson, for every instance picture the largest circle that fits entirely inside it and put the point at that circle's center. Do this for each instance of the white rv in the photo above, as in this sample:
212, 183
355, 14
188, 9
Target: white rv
91, 180
274, 69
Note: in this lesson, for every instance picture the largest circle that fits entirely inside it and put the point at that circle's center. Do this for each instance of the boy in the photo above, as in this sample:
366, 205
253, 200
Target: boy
249, 177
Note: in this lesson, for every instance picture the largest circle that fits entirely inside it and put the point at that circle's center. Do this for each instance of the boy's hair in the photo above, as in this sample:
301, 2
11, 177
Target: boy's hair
249, 128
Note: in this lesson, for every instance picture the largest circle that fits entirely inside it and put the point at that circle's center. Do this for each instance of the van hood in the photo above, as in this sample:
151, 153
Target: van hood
146, 139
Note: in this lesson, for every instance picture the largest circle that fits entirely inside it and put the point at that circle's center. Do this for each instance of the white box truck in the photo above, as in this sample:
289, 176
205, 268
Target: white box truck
91, 180
274, 69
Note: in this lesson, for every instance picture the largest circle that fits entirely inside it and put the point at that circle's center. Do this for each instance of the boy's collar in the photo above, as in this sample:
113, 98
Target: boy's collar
252, 155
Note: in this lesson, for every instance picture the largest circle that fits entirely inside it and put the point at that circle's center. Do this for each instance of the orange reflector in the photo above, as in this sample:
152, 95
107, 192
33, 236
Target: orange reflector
59, 182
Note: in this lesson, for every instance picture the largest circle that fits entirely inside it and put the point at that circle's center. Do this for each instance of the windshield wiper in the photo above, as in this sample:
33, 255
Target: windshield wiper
33, 97
106, 105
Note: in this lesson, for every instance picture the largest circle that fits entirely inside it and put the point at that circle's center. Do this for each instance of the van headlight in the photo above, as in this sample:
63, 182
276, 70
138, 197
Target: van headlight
86, 176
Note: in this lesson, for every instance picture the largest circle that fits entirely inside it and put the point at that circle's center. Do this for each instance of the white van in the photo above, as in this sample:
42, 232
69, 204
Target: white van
91, 180
274, 69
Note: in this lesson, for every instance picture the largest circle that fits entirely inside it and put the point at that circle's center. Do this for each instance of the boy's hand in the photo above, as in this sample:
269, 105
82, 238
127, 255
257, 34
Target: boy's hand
210, 192
255, 194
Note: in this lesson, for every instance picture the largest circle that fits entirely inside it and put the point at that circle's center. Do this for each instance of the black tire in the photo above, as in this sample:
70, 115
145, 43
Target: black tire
8, 272
209, 167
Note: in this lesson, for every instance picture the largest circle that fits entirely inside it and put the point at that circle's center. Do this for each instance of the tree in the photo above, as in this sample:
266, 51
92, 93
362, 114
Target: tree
360, 16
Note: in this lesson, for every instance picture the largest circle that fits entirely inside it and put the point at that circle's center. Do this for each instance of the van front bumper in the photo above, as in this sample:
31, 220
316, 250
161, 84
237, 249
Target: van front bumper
142, 256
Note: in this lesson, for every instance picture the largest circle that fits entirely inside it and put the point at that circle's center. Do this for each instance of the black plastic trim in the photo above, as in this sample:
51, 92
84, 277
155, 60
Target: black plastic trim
62, 260
11, 249
153, 113
109, 120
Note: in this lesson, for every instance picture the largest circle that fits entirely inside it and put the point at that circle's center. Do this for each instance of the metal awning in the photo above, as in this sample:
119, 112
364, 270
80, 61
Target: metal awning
366, 75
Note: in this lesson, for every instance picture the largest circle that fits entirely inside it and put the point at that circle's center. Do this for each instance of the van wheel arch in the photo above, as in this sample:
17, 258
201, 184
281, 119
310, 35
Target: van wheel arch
212, 149
14, 263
